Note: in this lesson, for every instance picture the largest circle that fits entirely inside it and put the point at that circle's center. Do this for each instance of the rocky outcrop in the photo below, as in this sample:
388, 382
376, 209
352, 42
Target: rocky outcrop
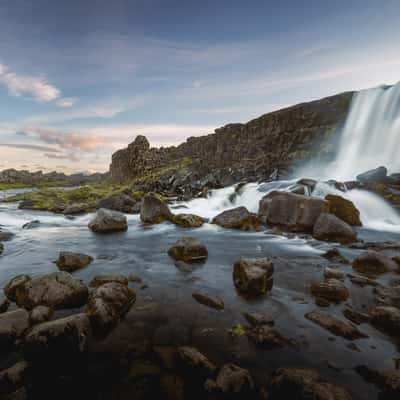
254, 149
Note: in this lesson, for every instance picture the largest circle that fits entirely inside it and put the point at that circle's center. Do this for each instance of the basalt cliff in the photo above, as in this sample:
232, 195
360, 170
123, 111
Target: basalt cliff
271, 144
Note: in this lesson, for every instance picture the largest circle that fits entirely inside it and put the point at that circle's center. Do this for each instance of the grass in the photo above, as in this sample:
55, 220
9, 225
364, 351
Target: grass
9, 186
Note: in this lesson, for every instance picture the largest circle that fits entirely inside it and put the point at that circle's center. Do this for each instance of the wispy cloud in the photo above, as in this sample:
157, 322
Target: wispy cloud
67, 102
70, 156
30, 147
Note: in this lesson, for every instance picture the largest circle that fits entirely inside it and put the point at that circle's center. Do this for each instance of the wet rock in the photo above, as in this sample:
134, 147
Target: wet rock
386, 319
107, 305
188, 250
31, 224
333, 273
5, 235
208, 301
108, 221
59, 343
195, 362
331, 290
4, 305
257, 319
310, 183
266, 337
373, 263
335, 256
154, 210
234, 381
387, 296
188, 220
10, 289
74, 210
134, 278
303, 384
122, 203
377, 246
378, 175
335, 325
388, 381
13, 324
361, 280
299, 189
1, 248
396, 259
291, 211
355, 316
238, 218
322, 302
68, 261
13, 378
253, 276
56, 290
103, 279
331, 229
343, 209
40, 314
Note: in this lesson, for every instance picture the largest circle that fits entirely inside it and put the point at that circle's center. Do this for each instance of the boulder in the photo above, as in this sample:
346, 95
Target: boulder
355, 316
253, 276
10, 289
387, 319
188, 220
74, 210
13, 324
238, 218
332, 290
373, 263
335, 256
330, 228
265, 336
68, 261
4, 305
303, 384
335, 325
196, 362
154, 210
58, 344
188, 250
291, 211
258, 319
234, 381
5, 235
57, 290
108, 221
377, 175
40, 314
343, 209
13, 378
333, 273
208, 301
102, 279
122, 203
309, 183
107, 305
31, 224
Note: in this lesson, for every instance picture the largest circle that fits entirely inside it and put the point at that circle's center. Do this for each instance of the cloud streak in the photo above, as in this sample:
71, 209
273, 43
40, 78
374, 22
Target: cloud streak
30, 147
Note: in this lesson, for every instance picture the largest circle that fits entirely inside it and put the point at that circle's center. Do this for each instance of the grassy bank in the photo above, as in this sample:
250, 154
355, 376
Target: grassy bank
10, 186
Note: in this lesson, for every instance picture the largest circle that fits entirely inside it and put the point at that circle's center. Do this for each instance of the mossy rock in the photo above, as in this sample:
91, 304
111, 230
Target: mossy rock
344, 209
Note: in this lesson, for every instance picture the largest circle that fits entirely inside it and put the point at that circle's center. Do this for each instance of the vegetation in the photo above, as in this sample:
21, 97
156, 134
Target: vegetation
9, 186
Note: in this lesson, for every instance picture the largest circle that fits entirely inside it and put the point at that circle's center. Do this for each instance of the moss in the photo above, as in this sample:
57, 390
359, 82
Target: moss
237, 330
10, 186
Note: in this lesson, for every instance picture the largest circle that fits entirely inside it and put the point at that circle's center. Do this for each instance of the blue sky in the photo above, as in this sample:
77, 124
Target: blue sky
80, 78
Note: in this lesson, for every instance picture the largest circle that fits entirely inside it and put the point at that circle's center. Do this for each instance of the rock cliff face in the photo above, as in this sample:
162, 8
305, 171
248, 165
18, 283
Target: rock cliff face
274, 140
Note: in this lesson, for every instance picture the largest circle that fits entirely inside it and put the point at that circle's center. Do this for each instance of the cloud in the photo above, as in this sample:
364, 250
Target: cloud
70, 156
30, 147
67, 102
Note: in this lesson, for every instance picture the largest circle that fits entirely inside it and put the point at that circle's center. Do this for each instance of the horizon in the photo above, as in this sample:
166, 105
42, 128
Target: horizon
79, 81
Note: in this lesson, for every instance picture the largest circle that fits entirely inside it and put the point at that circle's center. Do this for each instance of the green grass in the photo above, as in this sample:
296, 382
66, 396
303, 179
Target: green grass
9, 186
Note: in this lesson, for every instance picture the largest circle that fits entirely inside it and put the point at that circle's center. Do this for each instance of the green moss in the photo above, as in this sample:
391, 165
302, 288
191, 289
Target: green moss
237, 330
9, 186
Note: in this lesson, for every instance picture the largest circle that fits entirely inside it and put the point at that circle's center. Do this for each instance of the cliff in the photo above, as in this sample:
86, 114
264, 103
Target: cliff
277, 139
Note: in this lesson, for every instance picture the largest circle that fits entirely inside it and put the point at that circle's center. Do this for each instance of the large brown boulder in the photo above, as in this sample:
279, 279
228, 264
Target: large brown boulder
107, 305
330, 228
291, 211
343, 209
188, 250
68, 261
154, 211
108, 221
10, 290
188, 220
373, 263
56, 290
332, 290
238, 218
12, 326
253, 276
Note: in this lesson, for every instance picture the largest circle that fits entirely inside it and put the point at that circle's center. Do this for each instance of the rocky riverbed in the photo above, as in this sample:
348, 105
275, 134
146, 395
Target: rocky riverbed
224, 296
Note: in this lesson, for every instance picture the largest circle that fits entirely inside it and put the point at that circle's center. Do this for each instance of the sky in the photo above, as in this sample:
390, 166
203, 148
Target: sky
80, 79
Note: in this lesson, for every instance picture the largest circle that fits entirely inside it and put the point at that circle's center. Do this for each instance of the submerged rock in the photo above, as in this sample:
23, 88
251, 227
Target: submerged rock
303, 384
108, 221
107, 305
234, 381
291, 211
386, 319
56, 290
372, 262
238, 218
68, 261
196, 362
333, 273
208, 301
330, 228
343, 209
5, 235
13, 324
332, 290
336, 256
188, 220
10, 289
355, 316
31, 224
189, 250
258, 319
154, 211
267, 337
253, 276
103, 279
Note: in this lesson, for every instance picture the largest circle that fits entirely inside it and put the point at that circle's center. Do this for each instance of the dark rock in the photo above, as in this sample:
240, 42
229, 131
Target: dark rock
1, 248
253, 276
5, 235
208, 300
134, 278
68, 261
291, 211
343, 209
374, 175
196, 361
31, 224
122, 203
309, 183
143, 369
4, 305
56, 290
355, 316
335, 325
107, 305
154, 210
103, 279
188, 220
238, 218
234, 381
361, 280
333, 273
332, 229
13, 324
331, 290
303, 384
267, 337
388, 381
40, 314
10, 289
386, 319
334, 255
108, 221
372, 263
257, 319
172, 387
13, 378
188, 250
74, 210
